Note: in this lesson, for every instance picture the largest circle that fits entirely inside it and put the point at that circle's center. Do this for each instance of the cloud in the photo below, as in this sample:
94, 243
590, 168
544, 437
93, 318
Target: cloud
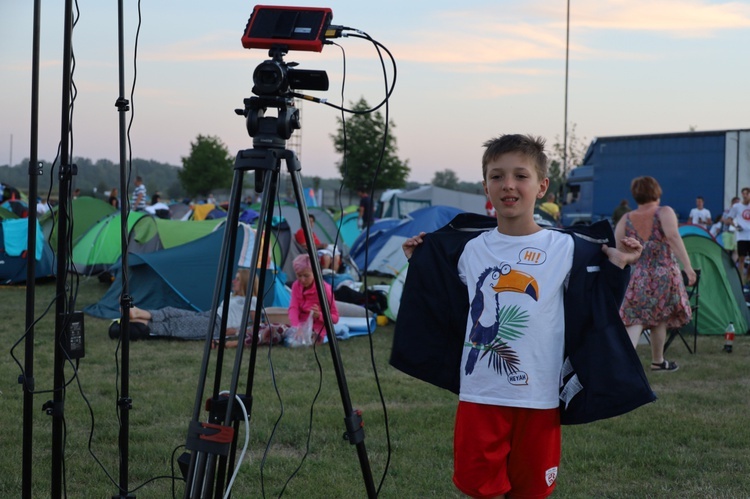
696, 18
527, 33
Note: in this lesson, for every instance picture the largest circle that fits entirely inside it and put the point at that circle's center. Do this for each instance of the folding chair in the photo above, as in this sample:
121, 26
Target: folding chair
693, 297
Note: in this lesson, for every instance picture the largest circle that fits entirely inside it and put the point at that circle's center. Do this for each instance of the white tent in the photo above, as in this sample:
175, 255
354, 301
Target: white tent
400, 204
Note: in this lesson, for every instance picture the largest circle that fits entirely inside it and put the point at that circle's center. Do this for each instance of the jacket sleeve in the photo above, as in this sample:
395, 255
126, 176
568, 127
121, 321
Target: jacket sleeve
429, 335
602, 374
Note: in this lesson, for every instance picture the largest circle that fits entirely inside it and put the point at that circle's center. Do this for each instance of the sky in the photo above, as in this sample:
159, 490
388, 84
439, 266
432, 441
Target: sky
466, 72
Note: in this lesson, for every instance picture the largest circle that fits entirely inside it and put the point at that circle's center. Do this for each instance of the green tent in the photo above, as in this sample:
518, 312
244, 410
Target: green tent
86, 212
101, 245
721, 300
151, 233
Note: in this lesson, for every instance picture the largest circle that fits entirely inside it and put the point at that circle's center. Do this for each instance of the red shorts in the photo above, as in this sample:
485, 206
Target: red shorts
497, 450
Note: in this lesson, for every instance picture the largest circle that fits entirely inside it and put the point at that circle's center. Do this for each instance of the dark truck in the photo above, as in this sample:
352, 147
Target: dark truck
714, 165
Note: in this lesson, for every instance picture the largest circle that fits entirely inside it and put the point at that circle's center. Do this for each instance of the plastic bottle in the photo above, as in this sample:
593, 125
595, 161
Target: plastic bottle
729, 338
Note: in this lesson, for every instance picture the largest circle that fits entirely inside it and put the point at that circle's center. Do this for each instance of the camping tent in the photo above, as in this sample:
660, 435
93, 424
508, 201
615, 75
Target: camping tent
382, 249
101, 246
14, 254
86, 212
180, 211
150, 233
349, 229
395, 290
721, 300
182, 277
400, 204
326, 228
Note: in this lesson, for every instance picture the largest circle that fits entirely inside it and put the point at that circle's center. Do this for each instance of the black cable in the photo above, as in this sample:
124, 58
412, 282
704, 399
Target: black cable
171, 460
310, 422
388, 92
375, 176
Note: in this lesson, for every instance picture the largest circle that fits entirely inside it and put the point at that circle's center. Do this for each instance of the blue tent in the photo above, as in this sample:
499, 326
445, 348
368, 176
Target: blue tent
181, 277
383, 247
14, 254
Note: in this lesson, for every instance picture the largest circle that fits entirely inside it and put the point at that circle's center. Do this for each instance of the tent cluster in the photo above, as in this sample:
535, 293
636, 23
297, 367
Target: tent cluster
174, 262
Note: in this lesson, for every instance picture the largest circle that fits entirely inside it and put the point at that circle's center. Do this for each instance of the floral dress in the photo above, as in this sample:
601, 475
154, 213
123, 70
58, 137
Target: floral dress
656, 292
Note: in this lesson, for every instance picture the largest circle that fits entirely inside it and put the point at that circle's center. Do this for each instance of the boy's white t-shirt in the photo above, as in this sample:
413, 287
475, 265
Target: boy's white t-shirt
514, 343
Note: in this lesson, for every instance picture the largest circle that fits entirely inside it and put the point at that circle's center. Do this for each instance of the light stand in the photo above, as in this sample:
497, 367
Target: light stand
124, 402
55, 407
212, 444
27, 379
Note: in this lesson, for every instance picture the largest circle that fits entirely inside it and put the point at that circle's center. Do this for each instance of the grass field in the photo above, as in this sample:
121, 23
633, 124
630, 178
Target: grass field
692, 443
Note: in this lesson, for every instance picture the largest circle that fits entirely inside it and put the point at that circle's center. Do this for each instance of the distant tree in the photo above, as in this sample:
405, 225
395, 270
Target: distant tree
576, 151
207, 168
101, 188
446, 179
362, 149
174, 192
471, 187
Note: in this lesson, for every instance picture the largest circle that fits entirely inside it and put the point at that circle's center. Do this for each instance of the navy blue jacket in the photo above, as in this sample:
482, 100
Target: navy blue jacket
604, 376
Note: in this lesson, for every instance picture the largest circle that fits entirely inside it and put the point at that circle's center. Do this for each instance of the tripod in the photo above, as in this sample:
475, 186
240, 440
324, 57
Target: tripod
212, 445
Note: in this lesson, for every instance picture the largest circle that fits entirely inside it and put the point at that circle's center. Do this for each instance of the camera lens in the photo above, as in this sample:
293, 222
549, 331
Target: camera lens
269, 78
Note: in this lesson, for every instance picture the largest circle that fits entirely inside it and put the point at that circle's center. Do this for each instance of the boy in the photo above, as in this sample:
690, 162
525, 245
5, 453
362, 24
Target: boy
506, 314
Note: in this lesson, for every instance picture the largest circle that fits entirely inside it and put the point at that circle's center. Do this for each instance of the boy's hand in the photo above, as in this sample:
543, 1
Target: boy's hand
628, 253
412, 243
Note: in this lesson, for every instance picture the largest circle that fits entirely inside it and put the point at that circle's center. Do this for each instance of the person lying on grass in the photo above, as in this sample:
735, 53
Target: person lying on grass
178, 323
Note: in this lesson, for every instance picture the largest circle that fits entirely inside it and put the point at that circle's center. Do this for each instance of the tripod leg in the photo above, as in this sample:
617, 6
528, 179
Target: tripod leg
211, 440
352, 418
201, 466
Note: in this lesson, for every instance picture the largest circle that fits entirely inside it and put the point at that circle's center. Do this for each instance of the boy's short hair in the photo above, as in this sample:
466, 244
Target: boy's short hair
645, 189
528, 145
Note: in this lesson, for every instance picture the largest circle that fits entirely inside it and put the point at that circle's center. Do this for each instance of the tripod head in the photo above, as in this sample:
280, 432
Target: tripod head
273, 81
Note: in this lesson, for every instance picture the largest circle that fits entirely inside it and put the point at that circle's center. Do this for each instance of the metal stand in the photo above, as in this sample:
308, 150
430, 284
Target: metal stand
212, 445
55, 407
124, 402
34, 171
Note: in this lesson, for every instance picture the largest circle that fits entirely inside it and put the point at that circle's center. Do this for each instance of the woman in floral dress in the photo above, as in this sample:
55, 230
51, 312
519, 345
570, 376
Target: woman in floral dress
656, 298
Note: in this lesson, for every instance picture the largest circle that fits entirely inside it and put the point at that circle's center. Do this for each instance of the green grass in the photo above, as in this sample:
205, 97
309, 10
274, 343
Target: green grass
691, 443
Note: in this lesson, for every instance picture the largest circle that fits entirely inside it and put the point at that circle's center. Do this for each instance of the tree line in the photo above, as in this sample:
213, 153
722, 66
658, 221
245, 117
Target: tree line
361, 141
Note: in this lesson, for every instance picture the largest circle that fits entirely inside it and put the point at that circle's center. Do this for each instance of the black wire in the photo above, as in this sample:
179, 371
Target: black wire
310, 421
69, 244
173, 470
339, 195
367, 248
367, 232
388, 90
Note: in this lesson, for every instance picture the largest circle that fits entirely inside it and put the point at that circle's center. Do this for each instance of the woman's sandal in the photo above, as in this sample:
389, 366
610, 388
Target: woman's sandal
667, 365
